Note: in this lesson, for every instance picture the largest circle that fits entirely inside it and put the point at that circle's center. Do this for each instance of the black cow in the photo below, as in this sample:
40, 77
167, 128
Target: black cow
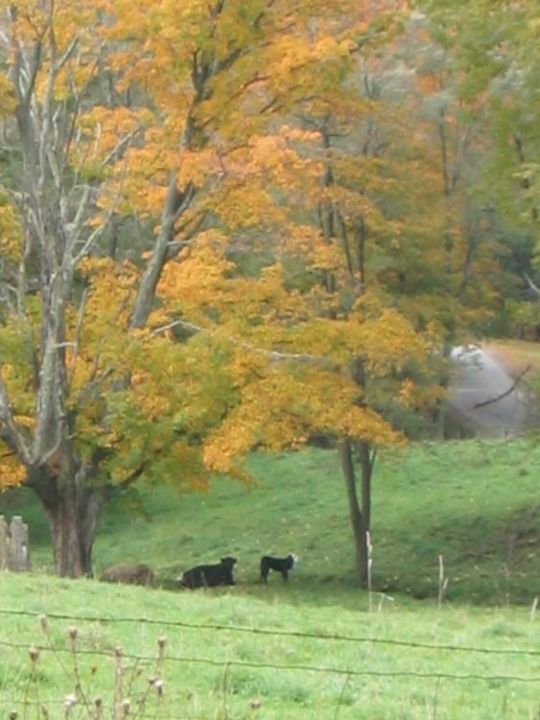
282, 565
210, 575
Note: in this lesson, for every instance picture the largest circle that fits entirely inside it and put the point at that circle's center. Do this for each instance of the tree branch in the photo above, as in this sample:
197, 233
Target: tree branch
272, 355
531, 284
176, 202
506, 392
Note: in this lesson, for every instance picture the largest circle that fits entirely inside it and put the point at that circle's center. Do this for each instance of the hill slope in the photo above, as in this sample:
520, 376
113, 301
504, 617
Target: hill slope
316, 647
474, 503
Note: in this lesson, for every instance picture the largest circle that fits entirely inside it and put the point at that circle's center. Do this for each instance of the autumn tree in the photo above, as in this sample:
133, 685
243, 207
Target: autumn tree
103, 119
315, 331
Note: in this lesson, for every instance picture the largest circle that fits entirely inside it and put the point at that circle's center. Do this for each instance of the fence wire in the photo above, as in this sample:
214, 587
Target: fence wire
351, 672
275, 632
47, 707
325, 637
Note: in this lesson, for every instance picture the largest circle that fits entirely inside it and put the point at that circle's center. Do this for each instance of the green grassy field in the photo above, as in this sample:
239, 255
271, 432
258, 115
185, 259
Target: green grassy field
228, 673
475, 503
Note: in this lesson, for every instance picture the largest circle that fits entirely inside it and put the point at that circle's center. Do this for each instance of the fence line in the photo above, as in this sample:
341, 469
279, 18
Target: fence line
277, 633
272, 666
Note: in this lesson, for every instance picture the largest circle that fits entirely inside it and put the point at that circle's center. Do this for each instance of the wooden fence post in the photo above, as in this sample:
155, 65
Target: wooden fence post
19, 545
4, 544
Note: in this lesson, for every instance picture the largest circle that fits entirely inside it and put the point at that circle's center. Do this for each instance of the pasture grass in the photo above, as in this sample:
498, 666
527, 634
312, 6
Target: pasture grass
475, 503
227, 674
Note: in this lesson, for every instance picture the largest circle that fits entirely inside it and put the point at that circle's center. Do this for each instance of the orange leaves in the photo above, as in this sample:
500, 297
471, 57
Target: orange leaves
10, 232
7, 96
30, 20
106, 127
248, 204
12, 473
428, 84
282, 217
67, 35
295, 53
258, 108
363, 424
198, 166
386, 338
285, 407
273, 157
196, 280
96, 328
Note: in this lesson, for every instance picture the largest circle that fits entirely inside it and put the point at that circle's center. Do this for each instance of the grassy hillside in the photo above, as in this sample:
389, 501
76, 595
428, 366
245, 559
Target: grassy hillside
516, 355
316, 647
475, 503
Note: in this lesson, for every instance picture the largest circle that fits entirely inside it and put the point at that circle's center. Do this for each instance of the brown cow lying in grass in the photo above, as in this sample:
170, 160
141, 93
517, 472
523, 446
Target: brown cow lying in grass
136, 574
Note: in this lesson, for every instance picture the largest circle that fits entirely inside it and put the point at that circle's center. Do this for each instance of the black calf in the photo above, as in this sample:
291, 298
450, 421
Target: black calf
210, 575
282, 565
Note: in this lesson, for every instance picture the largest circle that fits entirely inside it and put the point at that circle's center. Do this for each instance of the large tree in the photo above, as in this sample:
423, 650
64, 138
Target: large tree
329, 223
100, 106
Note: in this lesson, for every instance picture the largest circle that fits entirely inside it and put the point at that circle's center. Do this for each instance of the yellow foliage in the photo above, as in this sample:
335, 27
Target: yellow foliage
27, 421
272, 313
10, 232
7, 96
103, 130
248, 205
198, 166
284, 409
12, 472
407, 393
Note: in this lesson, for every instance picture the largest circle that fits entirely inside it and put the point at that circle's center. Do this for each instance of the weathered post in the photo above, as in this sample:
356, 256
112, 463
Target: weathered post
4, 544
19, 550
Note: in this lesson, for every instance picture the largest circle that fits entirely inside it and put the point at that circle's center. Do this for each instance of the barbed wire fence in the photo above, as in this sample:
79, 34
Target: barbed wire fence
138, 679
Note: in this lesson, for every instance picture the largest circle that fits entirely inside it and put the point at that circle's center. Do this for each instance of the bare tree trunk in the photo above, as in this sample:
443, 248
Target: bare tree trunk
66, 537
72, 511
73, 531
367, 461
358, 521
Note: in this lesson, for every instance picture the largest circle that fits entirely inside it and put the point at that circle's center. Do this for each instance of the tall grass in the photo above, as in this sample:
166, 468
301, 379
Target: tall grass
221, 654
